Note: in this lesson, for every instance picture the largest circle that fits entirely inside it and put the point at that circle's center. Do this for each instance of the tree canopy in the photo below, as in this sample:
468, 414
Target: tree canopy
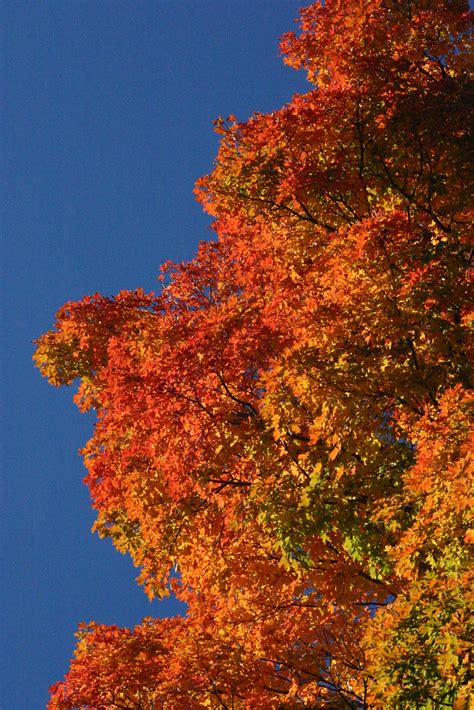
282, 434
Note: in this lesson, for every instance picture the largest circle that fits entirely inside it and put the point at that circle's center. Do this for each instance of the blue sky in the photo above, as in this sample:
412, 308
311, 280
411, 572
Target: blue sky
107, 124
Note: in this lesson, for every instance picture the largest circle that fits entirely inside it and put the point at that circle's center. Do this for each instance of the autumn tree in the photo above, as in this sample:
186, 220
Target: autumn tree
286, 423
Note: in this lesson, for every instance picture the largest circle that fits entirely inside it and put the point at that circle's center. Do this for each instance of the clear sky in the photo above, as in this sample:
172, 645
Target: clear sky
107, 122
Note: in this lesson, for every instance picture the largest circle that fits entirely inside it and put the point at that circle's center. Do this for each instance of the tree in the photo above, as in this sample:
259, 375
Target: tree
286, 424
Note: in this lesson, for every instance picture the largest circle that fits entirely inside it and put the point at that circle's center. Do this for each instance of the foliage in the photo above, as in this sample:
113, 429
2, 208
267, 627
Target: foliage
286, 423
